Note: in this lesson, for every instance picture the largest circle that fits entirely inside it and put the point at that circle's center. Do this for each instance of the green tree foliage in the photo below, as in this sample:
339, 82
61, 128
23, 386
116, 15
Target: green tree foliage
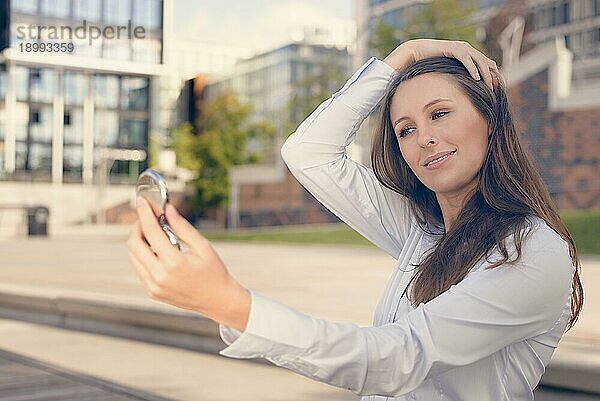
439, 19
383, 40
226, 130
317, 85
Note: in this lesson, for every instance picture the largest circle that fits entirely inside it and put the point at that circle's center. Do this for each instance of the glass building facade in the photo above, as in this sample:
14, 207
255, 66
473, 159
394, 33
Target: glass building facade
59, 109
269, 80
576, 20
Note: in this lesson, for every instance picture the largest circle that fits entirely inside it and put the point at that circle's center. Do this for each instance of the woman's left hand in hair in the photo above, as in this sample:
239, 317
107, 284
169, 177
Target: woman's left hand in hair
196, 279
477, 63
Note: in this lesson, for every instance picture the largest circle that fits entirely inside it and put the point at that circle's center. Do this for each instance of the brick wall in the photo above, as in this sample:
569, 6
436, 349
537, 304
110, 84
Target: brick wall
281, 204
565, 144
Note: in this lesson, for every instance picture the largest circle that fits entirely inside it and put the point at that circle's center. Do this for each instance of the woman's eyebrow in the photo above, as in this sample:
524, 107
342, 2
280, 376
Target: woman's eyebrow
434, 101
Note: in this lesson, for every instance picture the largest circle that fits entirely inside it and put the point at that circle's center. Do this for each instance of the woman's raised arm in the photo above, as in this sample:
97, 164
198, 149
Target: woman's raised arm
316, 156
316, 152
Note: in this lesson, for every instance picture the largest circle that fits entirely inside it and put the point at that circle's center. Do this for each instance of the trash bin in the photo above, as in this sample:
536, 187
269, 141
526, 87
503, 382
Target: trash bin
37, 220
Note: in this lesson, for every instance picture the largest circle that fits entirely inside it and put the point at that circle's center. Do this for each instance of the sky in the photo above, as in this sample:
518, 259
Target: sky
258, 24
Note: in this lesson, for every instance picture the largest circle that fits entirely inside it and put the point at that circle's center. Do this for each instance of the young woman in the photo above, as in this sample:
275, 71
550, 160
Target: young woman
487, 274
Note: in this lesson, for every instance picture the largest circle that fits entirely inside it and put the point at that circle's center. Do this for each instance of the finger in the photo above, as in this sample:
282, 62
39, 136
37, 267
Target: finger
495, 78
135, 234
153, 232
464, 52
139, 247
155, 271
469, 64
484, 69
492, 67
144, 276
484, 64
187, 232
487, 77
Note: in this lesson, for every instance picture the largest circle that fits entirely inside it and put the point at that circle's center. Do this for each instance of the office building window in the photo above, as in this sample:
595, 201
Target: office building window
40, 124
582, 9
20, 156
576, 41
34, 117
543, 18
56, 8
40, 157
562, 13
74, 87
82, 47
72, 162
106, 91
34, 160
122, 171
106, 128
2, 128
3, 84
25, 6
73, 126
126, 171
89, 10
134, 93
146, 51
42, 85
147, 13
133, 133
117, 12
118, 49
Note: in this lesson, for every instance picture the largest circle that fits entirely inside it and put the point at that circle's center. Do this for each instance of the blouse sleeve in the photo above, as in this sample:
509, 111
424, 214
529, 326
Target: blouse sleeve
316, 156
487, 311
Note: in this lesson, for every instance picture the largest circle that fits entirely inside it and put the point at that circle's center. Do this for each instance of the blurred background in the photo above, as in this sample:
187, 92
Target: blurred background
214, 88
207, 96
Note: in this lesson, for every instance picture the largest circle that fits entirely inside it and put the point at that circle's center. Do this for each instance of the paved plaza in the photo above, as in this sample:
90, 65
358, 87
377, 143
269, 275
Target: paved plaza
90, 265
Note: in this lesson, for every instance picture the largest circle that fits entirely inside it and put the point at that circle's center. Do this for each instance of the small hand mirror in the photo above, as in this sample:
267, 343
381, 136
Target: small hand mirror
153, 187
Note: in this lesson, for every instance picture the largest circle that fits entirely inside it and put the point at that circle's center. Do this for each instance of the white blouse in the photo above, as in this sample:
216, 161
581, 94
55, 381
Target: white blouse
487, 338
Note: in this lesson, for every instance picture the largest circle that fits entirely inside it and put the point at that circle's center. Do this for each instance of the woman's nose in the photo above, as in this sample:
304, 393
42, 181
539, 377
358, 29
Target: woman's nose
426, 138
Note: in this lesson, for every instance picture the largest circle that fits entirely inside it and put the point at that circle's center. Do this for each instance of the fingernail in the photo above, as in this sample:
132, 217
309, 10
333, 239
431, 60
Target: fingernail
140, 201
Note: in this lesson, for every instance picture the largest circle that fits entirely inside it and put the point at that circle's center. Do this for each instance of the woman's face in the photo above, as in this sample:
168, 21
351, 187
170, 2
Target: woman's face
432, 117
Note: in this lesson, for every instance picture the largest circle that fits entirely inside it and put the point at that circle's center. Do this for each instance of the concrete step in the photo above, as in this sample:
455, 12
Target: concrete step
575, 365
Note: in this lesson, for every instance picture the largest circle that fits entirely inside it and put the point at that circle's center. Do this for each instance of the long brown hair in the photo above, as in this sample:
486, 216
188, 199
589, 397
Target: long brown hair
509, 191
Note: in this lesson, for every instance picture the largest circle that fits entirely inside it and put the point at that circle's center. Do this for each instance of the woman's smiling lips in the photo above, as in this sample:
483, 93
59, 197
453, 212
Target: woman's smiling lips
437, 163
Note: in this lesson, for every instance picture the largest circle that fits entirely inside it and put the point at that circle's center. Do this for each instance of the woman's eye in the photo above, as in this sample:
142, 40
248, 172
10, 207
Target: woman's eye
434, 116
404, 132
438, 114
